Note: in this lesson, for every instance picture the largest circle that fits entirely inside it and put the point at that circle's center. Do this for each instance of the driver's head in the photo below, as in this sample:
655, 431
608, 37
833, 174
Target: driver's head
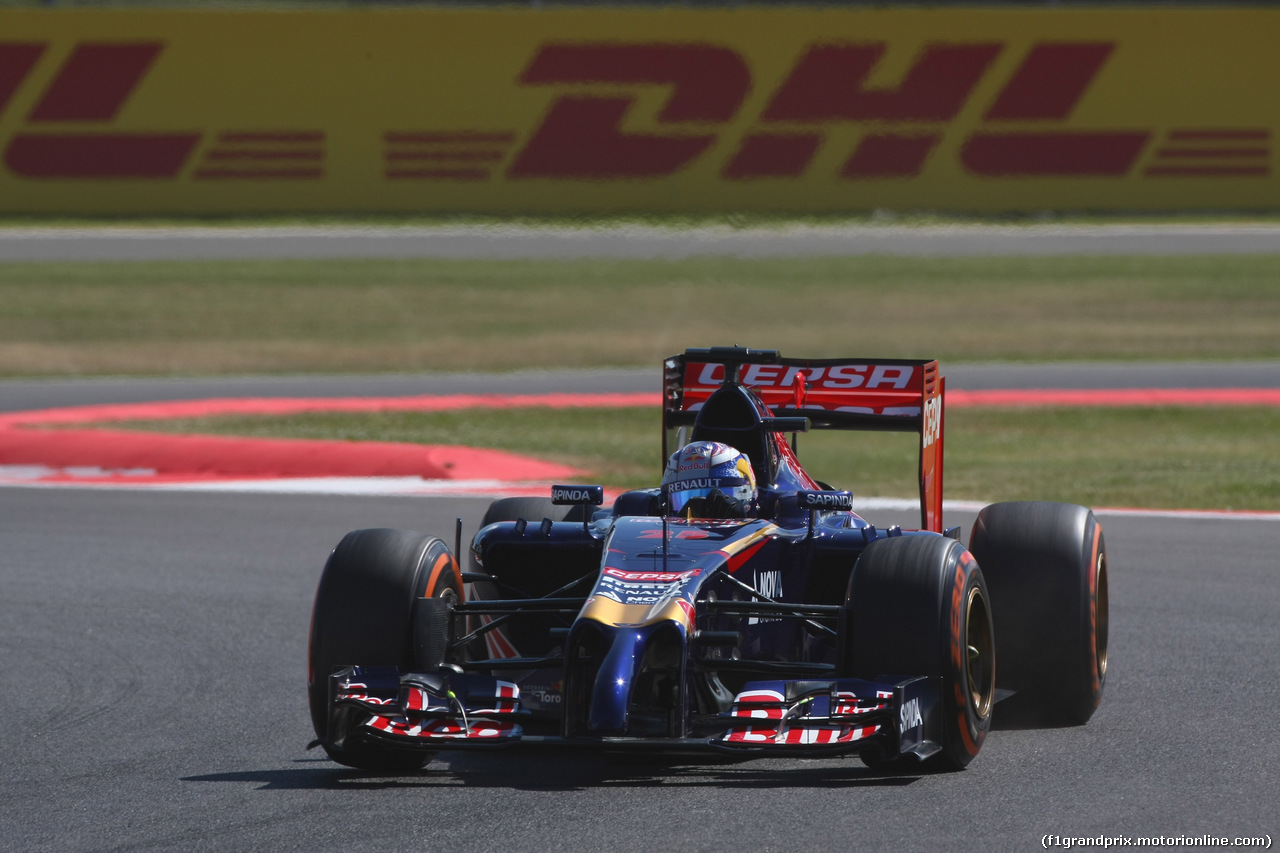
707, 479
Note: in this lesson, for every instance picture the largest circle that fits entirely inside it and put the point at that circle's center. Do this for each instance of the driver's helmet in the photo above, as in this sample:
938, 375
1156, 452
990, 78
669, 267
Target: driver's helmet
707, 479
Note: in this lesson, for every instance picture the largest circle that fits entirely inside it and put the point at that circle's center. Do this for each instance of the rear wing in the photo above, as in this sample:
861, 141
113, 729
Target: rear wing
877, 394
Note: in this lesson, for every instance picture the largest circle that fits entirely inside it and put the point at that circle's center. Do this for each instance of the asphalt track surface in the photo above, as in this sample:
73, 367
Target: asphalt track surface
536, 242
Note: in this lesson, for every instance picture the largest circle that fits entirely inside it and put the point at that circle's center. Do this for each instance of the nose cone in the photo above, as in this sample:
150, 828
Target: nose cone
638, 688
611, 695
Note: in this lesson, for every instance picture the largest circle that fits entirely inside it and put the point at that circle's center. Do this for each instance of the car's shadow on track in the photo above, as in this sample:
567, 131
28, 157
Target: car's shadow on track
541, 772
1018, 713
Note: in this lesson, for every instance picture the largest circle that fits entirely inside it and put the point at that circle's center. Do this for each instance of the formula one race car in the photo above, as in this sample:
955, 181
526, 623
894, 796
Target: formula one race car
741, 607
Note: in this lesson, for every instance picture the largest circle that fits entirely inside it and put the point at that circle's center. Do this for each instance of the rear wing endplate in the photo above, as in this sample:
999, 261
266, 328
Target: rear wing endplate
876, 394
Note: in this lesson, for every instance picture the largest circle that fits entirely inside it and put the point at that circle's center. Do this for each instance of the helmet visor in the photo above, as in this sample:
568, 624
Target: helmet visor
681, 499
681, 494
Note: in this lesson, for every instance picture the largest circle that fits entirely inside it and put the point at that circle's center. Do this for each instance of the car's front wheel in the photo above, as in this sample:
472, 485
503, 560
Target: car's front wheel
918, 606
364, 615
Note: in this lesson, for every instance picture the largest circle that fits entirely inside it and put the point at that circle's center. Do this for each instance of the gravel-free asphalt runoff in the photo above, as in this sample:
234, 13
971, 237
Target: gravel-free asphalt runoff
630, 242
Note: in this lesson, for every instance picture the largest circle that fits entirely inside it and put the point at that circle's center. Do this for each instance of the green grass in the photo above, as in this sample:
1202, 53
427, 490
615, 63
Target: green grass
159, 318
1210, 458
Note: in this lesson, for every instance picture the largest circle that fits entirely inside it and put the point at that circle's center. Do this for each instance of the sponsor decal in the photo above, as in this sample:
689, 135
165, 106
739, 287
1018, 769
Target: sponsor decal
932, 429
515, 110
699, 483
883, 389
88, 90
642, 587
909, 716
825, 500
768, 713
769, 584
365, 699
760, 704
652, 577
506, 696
444, 155
694, 461
849, 703
797, 736
608, 609
577, 495
635, 597
443, 729
825, 734
841, 377
262, 155
751, 734
1011, 111
581, 137
688, 533
545, 694
69, 133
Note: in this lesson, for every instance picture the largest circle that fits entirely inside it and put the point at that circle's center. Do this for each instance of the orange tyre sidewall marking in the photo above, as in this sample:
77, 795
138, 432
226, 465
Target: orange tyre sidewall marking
445, 559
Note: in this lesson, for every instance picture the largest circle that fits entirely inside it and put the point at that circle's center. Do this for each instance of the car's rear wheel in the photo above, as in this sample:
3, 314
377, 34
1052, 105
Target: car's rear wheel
918, 606
365, 615
1046, 565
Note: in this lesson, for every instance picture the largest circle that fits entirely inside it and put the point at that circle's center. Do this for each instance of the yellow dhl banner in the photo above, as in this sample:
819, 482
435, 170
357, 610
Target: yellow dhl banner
615, 110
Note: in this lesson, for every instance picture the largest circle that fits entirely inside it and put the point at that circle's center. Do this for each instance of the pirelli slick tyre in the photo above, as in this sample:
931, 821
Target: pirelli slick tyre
368, 612
1046, 565
918, 605
532, 510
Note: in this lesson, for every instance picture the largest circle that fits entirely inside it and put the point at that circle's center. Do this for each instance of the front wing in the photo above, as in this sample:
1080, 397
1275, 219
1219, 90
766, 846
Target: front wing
453, 710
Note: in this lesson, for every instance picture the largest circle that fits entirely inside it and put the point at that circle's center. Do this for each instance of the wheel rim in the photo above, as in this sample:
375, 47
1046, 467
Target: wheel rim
980, 668
1101, 617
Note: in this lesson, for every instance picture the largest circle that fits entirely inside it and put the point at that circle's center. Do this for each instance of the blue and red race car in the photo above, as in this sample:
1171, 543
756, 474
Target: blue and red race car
683, 618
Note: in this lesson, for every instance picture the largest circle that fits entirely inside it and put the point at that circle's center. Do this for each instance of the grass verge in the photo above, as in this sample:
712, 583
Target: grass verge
1200, 458
64, 319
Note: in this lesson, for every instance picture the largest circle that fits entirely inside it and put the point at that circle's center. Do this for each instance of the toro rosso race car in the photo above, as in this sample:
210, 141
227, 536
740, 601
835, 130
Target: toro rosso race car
741, 607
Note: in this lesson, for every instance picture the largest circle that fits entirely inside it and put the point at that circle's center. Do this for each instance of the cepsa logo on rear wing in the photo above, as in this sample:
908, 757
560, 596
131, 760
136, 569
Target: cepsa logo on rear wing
892, 389
893, 395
